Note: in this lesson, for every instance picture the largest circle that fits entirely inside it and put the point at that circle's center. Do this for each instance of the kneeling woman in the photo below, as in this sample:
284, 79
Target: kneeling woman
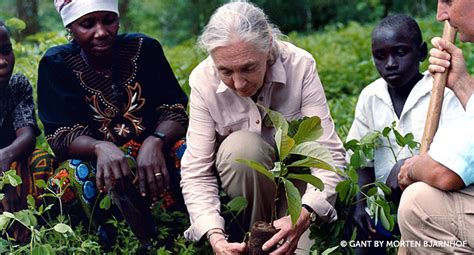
112, 103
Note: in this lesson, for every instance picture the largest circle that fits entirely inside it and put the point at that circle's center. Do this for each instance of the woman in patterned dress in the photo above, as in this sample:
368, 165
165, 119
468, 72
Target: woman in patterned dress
113, 113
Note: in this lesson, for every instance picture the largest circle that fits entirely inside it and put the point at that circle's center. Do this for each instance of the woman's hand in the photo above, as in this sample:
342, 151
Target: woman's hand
288, 234
112, 166
221, 246
5, 160
152, 173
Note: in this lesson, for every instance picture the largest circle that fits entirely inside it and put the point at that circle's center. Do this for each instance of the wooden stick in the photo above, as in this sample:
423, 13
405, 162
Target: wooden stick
436, 100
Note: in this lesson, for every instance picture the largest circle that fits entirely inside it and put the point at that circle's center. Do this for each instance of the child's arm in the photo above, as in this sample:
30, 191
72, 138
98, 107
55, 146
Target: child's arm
21, 147
361, 218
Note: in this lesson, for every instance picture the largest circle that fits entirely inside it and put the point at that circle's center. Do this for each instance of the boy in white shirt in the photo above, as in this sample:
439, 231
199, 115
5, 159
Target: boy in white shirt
402, 95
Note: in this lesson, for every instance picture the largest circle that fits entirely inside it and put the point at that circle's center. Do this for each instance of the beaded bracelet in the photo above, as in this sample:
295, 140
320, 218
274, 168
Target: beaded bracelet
219, 232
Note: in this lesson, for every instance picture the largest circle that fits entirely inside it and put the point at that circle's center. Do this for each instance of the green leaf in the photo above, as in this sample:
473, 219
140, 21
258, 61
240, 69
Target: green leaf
399, 138
15, 24
294, 200
352, 145
257, 166
2, 196
30, 200
353, 175
386, 190
372, 191
314, 150
284, 144
308, 178
105, 202
9, 215
44, 249
386, 131
342, 189
237, 204
62, 228
312, 162
355, 160
278, 120
309, 130
40, 184
4, 221
14, 180
329, 251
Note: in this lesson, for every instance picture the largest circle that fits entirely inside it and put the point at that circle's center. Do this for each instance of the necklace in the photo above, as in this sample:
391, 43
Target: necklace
105, 72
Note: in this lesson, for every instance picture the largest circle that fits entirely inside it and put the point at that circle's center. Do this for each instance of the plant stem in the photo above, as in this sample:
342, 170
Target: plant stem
275, 200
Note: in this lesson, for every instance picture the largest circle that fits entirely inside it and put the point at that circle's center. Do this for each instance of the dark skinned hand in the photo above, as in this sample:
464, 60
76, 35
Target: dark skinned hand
392, 182
153, 176
363, 221
112, 166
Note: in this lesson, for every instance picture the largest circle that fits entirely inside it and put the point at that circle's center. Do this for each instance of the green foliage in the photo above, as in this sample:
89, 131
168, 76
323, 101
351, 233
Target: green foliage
304, 144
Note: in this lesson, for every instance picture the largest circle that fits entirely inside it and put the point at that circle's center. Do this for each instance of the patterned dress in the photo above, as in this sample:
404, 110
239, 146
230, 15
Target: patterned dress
124, 108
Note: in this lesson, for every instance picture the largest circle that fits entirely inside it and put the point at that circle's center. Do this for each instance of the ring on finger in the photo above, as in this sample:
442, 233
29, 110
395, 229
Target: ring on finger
158, 174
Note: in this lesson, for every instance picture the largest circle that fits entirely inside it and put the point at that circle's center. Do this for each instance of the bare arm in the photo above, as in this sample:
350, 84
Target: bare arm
22, 146
424, 168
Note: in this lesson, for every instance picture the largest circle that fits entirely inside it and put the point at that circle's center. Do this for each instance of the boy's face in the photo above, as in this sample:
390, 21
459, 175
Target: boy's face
7, 59
396, 56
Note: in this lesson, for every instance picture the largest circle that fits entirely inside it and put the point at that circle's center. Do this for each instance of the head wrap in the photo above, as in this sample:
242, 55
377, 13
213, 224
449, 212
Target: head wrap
71, 10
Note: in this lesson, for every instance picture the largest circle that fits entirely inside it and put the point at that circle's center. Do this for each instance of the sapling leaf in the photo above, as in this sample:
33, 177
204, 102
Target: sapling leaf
330, 250
293, 199
311, 179
386, 190
353, 175
372, 191
257, 166
284, 144
342, 189
399, 138
386, 131
2, 196
309, 130
314, 150
355, 160
352, 145
312, 162
237, 204
278, 120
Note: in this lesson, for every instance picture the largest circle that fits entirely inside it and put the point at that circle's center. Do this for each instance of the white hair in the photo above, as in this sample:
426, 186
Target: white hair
240, 21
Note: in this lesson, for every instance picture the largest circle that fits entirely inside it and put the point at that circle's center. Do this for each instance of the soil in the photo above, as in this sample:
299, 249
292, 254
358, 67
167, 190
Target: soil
259, 234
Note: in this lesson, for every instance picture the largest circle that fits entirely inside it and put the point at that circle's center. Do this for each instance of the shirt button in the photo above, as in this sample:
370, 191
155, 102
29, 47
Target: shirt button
258, 122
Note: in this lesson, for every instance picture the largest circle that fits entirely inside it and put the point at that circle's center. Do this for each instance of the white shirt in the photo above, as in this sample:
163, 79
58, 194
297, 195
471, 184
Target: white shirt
453, 145
374, 111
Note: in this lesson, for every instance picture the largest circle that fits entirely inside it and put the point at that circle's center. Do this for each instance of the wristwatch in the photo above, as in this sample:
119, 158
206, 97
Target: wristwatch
160, 135
312, 215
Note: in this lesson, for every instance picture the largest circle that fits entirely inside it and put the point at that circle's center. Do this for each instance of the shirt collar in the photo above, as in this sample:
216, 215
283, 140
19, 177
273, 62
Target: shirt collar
276, 73
421, 88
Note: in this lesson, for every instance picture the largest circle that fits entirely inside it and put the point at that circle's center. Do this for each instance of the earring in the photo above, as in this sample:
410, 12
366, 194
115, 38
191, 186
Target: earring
69, 35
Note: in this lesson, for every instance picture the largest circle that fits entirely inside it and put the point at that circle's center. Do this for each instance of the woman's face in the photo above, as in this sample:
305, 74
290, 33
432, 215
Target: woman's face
96, 32
7, 58
241, 67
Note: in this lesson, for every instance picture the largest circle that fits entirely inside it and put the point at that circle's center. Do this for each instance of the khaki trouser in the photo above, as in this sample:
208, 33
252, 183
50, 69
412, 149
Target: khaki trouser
239, 180
436, 222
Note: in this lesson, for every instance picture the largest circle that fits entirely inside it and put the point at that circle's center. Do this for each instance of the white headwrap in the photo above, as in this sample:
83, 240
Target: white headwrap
71, 10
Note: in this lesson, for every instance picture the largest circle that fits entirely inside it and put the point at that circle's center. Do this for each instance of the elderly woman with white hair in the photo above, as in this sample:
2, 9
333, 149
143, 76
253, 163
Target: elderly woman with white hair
112, 111
248, 65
